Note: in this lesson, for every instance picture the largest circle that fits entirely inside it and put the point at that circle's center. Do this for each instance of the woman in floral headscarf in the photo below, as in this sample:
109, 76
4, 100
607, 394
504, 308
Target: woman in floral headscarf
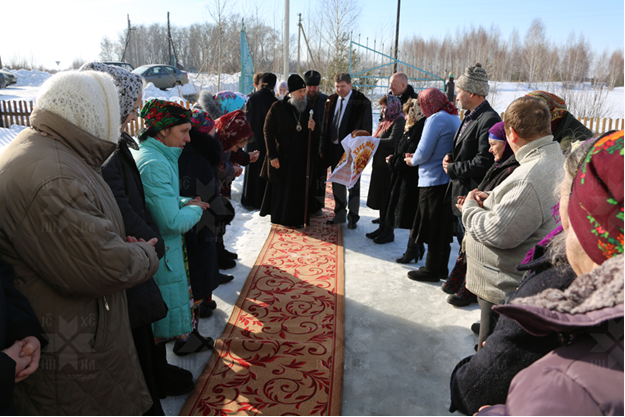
167, 127
431, 224
390, 129
565, 128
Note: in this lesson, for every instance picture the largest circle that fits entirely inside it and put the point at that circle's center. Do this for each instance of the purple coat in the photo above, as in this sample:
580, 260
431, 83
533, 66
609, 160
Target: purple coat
585, 375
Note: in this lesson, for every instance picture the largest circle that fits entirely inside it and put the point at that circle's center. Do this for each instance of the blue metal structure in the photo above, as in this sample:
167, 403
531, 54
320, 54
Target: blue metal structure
246, 80
371, 71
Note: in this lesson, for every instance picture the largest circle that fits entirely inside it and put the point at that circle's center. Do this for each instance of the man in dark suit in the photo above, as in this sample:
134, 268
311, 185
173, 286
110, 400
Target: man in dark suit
469, 160
317, 101
345, 111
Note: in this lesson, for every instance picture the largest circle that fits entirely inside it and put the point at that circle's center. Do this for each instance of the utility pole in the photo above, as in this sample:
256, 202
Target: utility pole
396, 36
128, 45
285, 52
169, 40
299, 33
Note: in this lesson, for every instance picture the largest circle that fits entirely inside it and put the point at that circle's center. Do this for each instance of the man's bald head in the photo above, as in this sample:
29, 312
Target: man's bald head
399, 83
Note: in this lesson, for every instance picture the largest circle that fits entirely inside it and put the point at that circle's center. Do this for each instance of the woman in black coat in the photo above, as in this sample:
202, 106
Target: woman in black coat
197, 165
404, 192
389, 131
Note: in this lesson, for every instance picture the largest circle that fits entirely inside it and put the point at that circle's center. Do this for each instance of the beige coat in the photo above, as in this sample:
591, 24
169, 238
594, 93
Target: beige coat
62, 231
516, 216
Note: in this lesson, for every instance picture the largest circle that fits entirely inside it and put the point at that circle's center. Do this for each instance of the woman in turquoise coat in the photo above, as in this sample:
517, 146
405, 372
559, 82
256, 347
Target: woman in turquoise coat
166, 132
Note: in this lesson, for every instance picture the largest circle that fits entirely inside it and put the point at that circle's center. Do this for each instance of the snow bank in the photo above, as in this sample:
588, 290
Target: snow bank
28, 78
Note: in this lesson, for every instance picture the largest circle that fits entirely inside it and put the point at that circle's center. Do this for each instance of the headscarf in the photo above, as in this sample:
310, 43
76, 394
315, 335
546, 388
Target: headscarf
497, 132
159, 114
432, 101
391, 113
202, 121
281, 84
129, 86
233, 128
596, 202
414, 114
229, 101
557, 106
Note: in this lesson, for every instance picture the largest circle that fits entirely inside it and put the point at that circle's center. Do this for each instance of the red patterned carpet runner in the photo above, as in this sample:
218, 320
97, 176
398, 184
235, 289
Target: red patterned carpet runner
282, 349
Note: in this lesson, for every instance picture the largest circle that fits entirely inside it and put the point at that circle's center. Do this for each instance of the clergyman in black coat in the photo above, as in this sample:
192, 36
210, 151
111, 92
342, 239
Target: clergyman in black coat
258, 106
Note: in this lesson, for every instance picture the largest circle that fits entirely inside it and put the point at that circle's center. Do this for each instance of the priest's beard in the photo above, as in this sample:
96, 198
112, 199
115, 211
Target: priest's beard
299, 104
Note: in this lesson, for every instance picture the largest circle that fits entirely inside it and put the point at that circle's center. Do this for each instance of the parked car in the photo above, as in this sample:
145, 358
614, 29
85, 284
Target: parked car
3, 83
163, 76
124, 65
9, 77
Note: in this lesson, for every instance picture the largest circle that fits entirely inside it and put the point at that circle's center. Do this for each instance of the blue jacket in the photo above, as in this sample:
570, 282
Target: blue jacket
436, 141
158, 166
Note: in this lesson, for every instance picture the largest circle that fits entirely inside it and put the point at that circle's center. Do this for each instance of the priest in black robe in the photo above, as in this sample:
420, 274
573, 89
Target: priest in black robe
288, 130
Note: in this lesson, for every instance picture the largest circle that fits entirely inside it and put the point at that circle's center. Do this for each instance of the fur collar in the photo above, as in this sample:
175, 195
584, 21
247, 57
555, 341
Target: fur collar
595, 290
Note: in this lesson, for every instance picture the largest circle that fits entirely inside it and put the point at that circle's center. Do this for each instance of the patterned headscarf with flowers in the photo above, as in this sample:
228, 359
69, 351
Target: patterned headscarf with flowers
392, 112
202, 121
596, 202
233, 128
557, 106
159, 114
432, 100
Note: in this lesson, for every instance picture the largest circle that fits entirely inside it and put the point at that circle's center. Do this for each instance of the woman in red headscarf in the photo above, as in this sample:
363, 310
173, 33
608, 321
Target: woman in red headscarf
432, 224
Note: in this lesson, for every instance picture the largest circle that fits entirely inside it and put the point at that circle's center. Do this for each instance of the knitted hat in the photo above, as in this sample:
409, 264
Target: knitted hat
474, 80
202, 121
129, 86
269, 79
295, 83
87, 99
312, 77
596, 201
233, 128
159, 114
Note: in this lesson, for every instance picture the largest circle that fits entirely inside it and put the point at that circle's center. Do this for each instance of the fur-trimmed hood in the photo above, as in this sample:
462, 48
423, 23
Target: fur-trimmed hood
591, 299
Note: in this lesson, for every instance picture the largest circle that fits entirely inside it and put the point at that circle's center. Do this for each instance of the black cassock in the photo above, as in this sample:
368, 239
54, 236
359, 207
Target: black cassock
285, 193
253, 184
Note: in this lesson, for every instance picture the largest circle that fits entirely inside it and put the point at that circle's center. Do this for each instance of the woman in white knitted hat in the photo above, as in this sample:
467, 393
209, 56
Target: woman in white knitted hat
62, 231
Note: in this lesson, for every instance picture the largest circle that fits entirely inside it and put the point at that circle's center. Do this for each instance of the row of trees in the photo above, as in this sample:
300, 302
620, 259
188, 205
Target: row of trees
532, 58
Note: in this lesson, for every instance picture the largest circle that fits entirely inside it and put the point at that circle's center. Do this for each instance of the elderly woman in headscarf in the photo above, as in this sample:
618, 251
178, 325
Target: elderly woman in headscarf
145, 302
584, 376
390, 129
403, 197
565, 128
166, 132
432, 224
505, 164
282, 89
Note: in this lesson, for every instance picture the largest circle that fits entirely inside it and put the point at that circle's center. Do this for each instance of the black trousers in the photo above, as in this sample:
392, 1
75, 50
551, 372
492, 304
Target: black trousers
341, 200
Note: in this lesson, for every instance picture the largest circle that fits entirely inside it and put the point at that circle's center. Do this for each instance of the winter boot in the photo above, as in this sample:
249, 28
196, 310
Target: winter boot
431, 271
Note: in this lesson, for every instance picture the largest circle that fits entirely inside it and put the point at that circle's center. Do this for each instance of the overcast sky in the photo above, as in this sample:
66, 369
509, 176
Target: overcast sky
45, 31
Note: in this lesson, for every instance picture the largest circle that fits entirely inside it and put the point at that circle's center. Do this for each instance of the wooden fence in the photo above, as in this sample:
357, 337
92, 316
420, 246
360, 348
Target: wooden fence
18, 113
